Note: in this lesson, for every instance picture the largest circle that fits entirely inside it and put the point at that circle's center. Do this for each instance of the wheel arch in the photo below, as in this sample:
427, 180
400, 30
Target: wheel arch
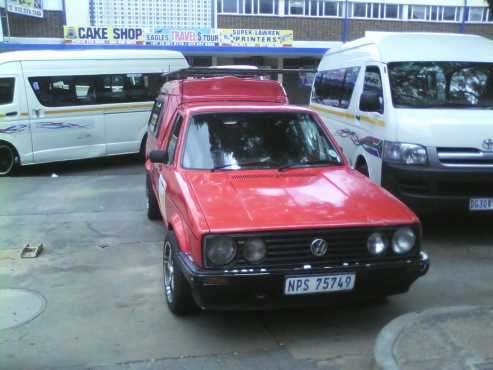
16, 152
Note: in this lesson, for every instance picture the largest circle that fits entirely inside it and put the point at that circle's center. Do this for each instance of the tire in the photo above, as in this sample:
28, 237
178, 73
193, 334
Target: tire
8, 159
142, 151
362, 167
153, 212
177, 291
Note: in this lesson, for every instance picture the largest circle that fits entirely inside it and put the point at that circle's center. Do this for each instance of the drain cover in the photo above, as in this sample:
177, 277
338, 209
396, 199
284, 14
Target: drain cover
19, 306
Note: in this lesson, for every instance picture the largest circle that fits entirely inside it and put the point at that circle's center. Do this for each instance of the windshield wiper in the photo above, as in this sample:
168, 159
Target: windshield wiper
243, 165
321, 162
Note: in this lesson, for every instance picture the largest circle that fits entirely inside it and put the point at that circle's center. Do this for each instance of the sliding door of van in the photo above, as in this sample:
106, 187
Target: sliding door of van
66, 120
370, 123
332, 97
14, 119
128, 100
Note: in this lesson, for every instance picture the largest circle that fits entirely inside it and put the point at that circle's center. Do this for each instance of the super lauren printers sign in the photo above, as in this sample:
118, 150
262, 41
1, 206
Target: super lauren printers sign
103, 35
174, 37
32, 8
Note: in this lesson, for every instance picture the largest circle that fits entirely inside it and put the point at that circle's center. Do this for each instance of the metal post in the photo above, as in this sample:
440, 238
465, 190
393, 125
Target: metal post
464, 16
345, 25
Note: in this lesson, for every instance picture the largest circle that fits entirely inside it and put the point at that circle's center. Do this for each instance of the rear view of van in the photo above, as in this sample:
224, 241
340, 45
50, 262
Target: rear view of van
414, 112
63, 105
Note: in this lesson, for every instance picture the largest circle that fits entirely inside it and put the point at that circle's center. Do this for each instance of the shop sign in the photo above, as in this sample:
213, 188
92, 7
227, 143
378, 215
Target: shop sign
195, 37
32, 8
103, 35
256, 38
176, 37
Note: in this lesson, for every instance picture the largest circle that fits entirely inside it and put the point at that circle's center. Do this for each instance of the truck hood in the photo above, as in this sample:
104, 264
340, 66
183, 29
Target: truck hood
454, 128
298, 198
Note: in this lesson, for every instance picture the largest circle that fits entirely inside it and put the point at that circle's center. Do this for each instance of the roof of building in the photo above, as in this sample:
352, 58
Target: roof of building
88, 54
416, 46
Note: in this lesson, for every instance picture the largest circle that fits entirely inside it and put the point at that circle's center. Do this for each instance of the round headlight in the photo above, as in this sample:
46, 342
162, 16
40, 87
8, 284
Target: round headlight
254, 250
220, 251
403, 240
377, 243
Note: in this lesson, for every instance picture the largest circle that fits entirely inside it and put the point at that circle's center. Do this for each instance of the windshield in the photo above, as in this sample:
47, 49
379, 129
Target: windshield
441, 84
255, 140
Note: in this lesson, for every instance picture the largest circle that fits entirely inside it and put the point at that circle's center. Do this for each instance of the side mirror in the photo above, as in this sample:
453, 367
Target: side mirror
370, 102
158, 156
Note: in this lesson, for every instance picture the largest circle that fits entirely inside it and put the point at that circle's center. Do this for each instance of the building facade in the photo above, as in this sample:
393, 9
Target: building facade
152, 13
346, 20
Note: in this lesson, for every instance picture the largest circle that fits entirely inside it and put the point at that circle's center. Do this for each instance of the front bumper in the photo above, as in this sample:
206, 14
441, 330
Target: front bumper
260, 289
432, 189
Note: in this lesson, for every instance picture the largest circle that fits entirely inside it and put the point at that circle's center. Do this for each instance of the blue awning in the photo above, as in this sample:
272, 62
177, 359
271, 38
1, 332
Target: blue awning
187, 50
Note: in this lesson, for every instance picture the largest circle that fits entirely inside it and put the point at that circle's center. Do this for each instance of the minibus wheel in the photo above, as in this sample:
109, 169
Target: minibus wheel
8, 159
362, 167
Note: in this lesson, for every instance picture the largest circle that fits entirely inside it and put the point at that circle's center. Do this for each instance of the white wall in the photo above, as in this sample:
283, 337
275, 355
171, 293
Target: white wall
77, 12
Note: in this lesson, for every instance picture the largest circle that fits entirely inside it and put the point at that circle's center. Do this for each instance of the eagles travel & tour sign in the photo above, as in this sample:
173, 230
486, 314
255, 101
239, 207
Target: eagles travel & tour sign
175, 37
32, 8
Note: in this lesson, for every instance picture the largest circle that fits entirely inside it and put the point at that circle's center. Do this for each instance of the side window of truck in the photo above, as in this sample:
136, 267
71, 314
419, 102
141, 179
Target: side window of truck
155, 118
7, 90
173, 140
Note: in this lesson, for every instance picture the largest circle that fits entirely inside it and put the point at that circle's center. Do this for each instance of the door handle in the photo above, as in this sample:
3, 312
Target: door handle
358, 117
10, 114
37, 113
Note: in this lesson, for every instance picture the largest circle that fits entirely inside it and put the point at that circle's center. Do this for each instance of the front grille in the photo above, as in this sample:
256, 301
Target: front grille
285, 249
464, 157
465, 189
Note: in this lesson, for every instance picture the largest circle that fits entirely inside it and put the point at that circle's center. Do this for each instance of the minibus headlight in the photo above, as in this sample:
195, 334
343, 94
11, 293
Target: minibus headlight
219, 251
405, 153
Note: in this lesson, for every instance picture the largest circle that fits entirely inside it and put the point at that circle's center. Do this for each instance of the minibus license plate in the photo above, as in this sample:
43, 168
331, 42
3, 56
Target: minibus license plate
319, 284
481, 204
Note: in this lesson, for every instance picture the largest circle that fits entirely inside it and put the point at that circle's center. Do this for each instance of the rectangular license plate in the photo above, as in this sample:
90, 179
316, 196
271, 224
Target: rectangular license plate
481, 204
319, 284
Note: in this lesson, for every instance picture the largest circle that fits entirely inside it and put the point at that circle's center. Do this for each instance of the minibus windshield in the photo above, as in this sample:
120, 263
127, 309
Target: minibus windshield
441, 84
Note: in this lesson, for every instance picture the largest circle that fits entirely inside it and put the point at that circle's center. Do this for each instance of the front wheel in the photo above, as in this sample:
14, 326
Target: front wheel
8, 159
177, 291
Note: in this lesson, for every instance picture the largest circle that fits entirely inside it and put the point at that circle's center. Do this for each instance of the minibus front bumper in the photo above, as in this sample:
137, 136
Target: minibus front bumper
437, 188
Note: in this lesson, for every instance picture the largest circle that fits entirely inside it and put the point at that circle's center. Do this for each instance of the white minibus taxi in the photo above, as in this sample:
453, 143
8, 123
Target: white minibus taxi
63, 105
414, 112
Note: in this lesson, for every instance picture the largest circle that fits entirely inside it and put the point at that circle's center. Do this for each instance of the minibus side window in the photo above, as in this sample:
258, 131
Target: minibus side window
7, 90
372, 88
335, 87
60, 91
349, 81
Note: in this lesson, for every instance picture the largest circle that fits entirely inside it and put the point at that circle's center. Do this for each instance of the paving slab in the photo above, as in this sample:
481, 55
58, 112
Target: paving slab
446, 338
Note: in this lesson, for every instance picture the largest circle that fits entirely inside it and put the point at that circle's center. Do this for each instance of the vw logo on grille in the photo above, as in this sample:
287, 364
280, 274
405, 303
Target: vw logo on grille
318, 247
488, 144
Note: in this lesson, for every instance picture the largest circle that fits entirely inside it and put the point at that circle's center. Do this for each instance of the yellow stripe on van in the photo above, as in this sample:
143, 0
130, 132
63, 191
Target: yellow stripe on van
332, 111
127, 107
373, 121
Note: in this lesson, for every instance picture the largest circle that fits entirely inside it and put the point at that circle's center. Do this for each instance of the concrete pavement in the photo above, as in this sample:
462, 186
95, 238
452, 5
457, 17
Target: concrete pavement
100, 274
447, 338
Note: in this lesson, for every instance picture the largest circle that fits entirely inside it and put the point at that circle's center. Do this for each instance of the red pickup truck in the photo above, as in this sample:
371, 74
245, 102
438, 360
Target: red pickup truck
260, 206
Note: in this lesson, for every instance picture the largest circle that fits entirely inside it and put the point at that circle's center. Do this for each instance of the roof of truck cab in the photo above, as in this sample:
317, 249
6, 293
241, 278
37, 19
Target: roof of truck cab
227, 88
230, 106
120, 54
410, 46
